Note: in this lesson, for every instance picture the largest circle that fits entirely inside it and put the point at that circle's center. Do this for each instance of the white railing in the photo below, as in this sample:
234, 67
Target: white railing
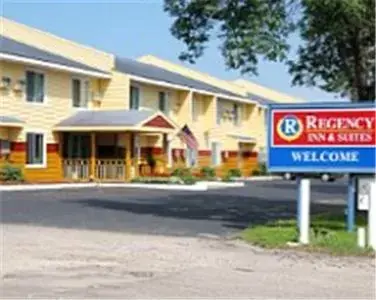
76, 168
110, 169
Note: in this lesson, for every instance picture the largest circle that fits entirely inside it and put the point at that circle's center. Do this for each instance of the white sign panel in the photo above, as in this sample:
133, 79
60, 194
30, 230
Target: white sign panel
364, 193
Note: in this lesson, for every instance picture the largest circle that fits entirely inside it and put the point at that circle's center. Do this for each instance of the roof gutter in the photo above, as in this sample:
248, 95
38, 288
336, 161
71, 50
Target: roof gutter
50, 65
189, 89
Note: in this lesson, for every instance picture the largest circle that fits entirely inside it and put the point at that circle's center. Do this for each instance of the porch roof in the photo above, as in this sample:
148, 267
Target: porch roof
10, 121
112, 120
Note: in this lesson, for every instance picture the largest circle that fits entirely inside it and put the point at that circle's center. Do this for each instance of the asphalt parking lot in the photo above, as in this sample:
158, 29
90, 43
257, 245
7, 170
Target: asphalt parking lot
142, 244
216, 212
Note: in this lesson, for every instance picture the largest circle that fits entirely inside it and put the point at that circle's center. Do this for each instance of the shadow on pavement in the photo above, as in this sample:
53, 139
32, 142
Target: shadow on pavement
157, 213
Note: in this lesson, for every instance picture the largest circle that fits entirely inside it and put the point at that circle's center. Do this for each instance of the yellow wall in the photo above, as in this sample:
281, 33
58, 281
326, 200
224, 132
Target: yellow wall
55, 44
38, 116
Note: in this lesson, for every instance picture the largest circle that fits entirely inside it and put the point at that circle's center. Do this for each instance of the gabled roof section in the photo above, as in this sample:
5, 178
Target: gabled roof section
135, 68
121, 119
13, 50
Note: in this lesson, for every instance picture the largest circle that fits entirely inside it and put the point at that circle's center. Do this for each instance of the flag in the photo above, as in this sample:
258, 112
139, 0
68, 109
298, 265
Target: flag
187, 137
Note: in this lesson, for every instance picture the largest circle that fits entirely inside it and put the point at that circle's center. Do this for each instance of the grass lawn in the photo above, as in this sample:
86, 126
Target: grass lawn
328, 234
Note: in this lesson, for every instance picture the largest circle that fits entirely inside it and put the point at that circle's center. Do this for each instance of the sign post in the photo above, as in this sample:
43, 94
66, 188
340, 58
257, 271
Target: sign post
372, 216
351, 203
304, 205
323, 138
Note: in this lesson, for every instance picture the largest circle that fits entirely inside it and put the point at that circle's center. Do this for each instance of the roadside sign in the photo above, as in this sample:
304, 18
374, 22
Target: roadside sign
333, 138
364, 193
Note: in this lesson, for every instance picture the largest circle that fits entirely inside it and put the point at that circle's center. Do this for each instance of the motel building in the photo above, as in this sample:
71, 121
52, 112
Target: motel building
70, 112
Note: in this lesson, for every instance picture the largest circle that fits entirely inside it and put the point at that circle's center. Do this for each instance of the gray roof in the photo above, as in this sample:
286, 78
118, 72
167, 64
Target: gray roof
8, 119
10, 46
261, 100
148, 71
107, 118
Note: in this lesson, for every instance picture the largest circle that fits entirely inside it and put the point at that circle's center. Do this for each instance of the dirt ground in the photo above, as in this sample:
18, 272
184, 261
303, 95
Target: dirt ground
43, 262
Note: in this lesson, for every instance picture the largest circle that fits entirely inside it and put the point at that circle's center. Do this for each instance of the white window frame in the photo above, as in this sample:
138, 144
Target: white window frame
82, 80
167, 102
218, 113
139, 87
238, 113
194, 112
216, 161
45, 86
44, 149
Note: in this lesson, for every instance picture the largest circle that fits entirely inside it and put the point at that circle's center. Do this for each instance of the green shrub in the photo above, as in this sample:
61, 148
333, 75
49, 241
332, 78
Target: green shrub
188, 179
261, 170
208, 172
227, 178
159, 180
256, 172
11, 173
180, 172
234, 173
152, 162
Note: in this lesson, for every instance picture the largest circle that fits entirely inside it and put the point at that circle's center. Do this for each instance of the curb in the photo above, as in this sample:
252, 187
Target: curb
199, 186
260, 178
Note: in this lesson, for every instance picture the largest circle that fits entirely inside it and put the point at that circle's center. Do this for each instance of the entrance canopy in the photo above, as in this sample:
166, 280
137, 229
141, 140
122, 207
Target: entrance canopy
118, 120
242, 138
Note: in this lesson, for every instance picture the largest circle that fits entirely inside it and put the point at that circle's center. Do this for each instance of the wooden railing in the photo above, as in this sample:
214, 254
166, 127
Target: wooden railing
76, 168
110, 169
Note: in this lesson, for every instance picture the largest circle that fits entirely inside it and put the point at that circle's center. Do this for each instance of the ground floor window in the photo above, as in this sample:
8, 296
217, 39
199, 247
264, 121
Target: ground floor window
36, 150
191, 157
76, 145
216, 154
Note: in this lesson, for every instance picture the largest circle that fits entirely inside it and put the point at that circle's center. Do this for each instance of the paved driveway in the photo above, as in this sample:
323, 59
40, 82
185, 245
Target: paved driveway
218, 212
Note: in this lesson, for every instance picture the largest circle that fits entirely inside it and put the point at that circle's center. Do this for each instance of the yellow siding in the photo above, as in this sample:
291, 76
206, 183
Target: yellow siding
55, 44
4, 133
116, 92
43, 116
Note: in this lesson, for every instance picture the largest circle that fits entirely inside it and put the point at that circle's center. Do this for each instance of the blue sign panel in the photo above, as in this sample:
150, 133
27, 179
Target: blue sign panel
322, 138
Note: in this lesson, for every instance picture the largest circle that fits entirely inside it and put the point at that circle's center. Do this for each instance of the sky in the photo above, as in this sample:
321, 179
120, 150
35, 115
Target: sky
133, 28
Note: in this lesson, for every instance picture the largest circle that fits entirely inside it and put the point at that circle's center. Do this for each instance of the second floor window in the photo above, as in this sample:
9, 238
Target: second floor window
194, 110
80, 92
163, 102
219, 112
134, 98
35, 87
236, 114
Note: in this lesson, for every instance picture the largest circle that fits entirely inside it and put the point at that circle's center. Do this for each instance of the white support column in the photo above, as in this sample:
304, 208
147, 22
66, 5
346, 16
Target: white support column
372, 216
304, 210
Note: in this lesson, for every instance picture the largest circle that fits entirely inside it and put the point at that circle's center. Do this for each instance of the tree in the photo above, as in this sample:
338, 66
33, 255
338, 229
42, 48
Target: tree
337, 52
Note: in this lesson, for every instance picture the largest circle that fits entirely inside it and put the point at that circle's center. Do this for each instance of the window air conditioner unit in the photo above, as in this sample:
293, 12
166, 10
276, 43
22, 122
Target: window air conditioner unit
20, 85
5, 83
